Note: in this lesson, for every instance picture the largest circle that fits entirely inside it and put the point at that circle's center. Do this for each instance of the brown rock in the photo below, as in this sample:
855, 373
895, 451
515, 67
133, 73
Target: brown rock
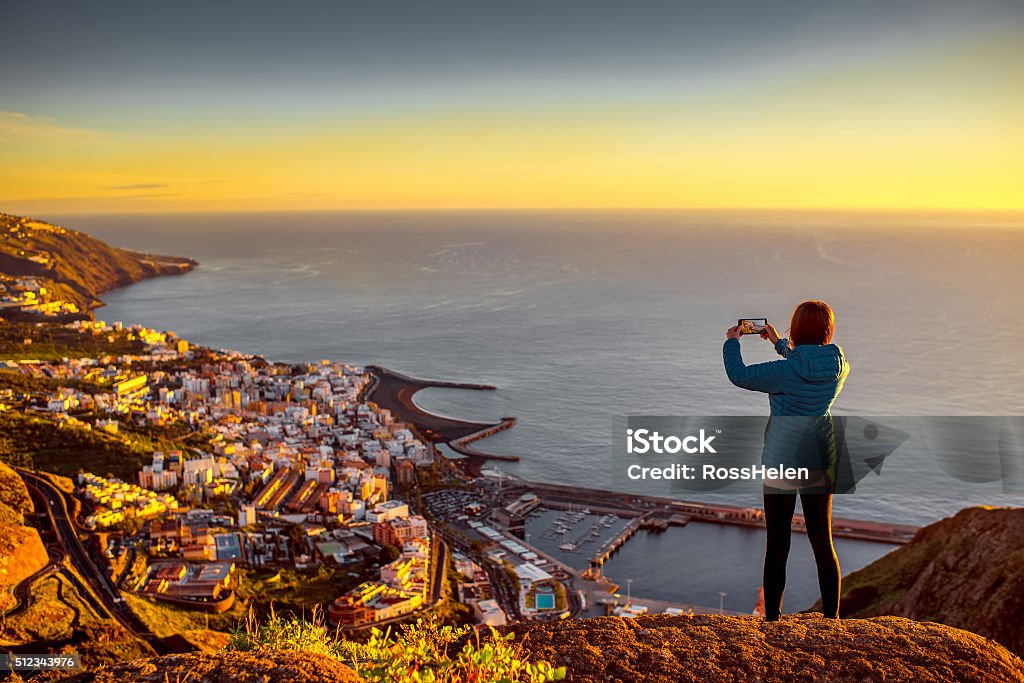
806, 647
21, 550
277, 666
13, 493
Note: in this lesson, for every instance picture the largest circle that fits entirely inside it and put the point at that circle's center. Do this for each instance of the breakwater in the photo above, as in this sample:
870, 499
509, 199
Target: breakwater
394, 392
631, 504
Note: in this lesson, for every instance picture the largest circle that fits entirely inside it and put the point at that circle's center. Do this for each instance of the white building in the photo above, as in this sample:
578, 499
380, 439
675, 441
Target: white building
157, 479
200, 470
490, 613
391, 509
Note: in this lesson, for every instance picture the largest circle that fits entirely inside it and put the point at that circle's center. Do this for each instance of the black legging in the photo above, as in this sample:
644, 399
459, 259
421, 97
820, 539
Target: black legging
778, 515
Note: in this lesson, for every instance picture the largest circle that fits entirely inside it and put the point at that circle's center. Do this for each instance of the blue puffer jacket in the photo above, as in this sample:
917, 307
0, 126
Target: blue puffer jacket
804, 384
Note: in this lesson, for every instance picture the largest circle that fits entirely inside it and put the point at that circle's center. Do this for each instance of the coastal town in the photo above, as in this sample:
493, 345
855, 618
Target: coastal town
297, 470
466, 342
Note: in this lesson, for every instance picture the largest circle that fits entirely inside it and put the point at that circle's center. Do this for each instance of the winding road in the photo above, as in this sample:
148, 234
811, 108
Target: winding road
101, 593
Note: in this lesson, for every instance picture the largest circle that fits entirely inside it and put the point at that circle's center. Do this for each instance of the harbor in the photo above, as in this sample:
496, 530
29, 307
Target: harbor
676, 511
688, 558
671, 566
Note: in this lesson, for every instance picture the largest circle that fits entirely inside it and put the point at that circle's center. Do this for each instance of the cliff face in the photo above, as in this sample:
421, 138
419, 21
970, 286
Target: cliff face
964, 571
664, 649
21, 551
76, 266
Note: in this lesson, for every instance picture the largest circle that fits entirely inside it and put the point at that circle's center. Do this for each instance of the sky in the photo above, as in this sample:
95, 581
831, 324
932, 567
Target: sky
226, 106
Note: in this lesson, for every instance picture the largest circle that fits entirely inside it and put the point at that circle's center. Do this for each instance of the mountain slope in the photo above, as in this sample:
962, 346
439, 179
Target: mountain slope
76, 266
964, 571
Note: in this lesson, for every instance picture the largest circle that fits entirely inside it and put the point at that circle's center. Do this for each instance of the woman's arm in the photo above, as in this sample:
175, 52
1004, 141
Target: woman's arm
766, 377
772, 335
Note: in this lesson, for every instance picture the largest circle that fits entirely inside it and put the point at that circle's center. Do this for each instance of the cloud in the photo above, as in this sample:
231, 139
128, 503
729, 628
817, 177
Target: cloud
15, 124
75, 202
138, 186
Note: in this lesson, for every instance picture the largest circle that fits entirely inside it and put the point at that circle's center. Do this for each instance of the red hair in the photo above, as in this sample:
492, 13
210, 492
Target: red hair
812, 323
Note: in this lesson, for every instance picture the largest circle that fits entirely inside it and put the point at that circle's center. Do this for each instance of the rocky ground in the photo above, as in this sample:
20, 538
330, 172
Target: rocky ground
227, 667
663, 649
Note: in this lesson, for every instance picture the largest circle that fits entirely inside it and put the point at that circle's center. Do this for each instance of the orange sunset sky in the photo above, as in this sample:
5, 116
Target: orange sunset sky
910, 105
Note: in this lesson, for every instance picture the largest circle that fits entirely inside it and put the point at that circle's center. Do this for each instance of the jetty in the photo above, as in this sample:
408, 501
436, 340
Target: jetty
651, 521
394, 392
652, 508
462, 446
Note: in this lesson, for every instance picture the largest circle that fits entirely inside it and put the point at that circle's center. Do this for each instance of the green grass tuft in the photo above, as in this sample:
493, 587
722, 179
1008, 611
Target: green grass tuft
424, 651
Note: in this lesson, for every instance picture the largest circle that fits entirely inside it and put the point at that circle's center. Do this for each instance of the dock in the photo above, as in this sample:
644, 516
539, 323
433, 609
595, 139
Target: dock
652, 521
615, 542
461, 445
637, 505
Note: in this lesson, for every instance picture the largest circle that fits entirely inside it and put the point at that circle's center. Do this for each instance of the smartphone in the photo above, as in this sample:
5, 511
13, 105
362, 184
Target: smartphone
752, 325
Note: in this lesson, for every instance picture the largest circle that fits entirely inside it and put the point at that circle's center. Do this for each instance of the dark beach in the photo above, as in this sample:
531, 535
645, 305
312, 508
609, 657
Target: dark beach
395, 391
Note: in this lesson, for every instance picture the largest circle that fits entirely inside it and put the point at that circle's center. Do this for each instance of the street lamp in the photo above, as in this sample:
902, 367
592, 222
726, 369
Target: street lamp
721, 602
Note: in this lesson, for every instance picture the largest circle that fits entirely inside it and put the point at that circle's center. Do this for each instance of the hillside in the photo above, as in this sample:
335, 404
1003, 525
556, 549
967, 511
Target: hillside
964, 571
663, 649
52, 616
71, 266
21, 550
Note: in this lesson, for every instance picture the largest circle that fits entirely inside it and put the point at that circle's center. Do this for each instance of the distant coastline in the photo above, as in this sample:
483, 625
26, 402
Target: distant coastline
56, 274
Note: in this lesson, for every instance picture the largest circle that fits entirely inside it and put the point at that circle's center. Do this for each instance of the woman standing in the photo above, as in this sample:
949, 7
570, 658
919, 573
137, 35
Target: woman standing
801, 389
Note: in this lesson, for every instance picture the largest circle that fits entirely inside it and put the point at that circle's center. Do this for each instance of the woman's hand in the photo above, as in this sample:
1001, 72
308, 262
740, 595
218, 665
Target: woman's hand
770, 334
733, 332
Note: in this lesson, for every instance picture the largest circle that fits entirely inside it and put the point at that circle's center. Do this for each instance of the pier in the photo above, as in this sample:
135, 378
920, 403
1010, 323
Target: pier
637, 505
378, 371
650, 521
462, 446
615, 542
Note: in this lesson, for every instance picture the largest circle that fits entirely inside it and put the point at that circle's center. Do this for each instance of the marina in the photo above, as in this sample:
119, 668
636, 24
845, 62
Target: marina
677, 512
683, 566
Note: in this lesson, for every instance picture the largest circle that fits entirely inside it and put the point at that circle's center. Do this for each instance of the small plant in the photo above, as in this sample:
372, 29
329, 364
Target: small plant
420, 652
284, 633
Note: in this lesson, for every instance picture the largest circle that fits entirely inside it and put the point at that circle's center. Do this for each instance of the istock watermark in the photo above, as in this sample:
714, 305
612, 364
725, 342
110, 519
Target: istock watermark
893, 456
645, 441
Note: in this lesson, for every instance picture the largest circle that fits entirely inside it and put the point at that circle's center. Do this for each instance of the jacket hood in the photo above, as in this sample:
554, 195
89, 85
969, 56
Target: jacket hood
819, 363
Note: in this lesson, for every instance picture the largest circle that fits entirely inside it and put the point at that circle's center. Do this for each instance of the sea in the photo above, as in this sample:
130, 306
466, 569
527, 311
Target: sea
581, 316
